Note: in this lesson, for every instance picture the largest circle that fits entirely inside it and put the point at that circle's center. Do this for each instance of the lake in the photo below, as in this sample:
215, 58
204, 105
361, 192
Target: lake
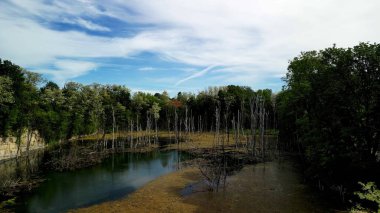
116, 177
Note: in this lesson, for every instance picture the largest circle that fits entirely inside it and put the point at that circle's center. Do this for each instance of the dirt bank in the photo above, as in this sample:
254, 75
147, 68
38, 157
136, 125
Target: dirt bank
160, 195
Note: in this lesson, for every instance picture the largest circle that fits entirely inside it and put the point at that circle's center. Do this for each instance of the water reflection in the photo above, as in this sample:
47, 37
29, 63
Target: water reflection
265, 187
115, 177
20, 169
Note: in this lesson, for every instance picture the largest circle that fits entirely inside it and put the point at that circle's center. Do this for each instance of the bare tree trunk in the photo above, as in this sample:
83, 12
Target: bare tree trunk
193, 124
118, 136
186, 124
180, 128
217, 125
251, 107
262, 128
147, 129
199, 124
176, 127
235, 132
131, 135
238, 128
139, 138
267, 145
155, 125
168, 123
104, 138
113, 128
226, 123
254, 114
169, 132
28, 140
137, 131
18, 142
97, 136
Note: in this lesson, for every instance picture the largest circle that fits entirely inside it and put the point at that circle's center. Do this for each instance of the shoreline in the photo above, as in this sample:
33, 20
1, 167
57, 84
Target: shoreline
200, 146
159, 195
264, 187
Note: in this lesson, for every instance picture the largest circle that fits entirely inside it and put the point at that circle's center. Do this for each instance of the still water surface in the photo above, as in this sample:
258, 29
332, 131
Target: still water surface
116, 177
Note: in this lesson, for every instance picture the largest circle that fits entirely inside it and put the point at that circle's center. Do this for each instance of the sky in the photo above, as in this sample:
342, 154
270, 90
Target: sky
177, 45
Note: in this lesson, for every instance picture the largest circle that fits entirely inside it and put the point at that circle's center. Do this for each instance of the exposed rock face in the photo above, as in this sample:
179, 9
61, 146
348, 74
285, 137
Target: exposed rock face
8, 146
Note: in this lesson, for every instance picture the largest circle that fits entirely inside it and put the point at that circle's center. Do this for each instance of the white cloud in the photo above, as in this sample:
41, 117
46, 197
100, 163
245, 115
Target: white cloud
145, 69
251, 39
68, 69
151, 91
196, 75
86, 24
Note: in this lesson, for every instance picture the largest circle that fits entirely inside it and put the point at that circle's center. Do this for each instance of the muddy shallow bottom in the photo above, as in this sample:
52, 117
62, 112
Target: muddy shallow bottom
266, 187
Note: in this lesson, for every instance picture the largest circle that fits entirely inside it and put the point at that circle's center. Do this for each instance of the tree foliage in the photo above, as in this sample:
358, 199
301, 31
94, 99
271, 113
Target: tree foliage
330, 111
74, 110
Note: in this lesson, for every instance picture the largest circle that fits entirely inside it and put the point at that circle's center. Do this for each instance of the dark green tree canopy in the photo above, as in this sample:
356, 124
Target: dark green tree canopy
330, 108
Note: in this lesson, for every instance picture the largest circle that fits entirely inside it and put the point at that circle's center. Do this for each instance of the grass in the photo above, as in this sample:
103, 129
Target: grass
204, 140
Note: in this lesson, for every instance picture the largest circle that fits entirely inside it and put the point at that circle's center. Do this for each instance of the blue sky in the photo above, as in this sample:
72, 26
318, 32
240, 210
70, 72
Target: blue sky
177, 45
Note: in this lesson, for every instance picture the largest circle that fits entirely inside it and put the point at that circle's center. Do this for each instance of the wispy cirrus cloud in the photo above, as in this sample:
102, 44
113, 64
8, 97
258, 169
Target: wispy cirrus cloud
146, 69
67, 69
86, 24
196, 75
252, 40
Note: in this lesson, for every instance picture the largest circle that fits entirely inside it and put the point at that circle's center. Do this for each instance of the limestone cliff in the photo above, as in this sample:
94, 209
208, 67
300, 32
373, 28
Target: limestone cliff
8, 146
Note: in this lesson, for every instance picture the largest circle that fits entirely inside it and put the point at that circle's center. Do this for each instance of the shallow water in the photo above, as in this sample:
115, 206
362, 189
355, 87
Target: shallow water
116, 177
265, 187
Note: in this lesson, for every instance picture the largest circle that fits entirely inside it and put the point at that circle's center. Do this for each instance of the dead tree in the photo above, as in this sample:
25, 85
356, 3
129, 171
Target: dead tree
228, 103
176, 126
113, 128
266, 125
217, 125
186, 124
156, 130
168, 123
148, 127
252, 114
131, 134
262, 127
238, 128
235, 132
28, 139
199, 124
192, 125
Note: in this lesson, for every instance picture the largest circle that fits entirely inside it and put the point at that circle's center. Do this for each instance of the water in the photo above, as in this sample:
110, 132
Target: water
116, 177
265, 187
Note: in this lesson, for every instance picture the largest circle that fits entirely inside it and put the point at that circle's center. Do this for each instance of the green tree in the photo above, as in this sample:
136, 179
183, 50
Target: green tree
330, 111
6, 93
155, 111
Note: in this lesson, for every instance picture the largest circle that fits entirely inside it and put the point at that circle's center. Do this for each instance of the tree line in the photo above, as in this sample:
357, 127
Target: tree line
29, 103
329, 110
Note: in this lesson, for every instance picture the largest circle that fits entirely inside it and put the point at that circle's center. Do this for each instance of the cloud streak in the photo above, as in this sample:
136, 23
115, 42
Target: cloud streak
196, 75
250, 39
68, 69
86, 24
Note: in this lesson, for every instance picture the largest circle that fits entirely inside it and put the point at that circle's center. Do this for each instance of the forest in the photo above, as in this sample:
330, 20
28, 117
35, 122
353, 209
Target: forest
329, 110
327, 114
